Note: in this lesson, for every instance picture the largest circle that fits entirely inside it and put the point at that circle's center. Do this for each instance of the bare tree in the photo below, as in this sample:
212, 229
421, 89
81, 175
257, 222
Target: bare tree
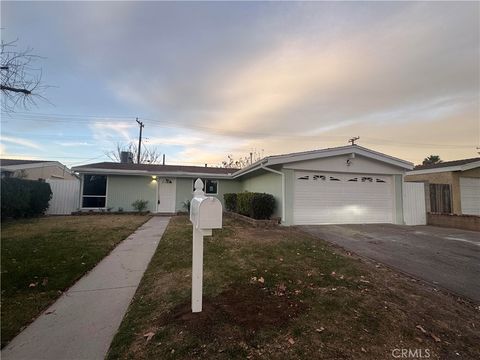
148, 155
21, 80
243, 161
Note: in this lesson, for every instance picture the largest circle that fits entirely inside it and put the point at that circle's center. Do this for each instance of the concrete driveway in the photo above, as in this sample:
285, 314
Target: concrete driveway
444, 256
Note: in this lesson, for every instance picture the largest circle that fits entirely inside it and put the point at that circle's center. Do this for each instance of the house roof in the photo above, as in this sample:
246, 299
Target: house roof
188, 171
9, 162
447, 166
152, 169
322, 153
11, 165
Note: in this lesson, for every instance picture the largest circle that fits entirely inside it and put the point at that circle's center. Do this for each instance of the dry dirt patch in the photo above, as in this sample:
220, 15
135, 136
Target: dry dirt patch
249, 308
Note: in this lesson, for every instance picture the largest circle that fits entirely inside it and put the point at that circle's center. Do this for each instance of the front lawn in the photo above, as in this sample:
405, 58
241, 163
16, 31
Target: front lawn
281, 294
43, 257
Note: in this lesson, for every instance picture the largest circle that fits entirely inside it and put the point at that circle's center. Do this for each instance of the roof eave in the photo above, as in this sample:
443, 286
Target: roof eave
348, 150
464, 167
148, 173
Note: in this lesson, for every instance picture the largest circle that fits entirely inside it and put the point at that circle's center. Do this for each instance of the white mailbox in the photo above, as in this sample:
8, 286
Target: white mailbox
205, 215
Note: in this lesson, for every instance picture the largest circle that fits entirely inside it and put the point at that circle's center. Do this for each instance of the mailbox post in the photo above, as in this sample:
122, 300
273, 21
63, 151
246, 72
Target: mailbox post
205, 215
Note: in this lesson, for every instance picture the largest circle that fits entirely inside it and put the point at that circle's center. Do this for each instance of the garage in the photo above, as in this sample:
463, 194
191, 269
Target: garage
470, 195
339, 198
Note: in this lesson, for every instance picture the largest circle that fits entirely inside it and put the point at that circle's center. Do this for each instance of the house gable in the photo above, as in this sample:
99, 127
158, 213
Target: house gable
346, 164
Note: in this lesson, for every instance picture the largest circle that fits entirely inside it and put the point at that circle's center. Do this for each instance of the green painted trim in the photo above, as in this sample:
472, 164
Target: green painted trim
289, 192
398, 186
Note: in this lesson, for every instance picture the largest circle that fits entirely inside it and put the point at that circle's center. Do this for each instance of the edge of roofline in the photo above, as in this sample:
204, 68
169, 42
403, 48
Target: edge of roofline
33, 165
323, 153
85, 170
463, 167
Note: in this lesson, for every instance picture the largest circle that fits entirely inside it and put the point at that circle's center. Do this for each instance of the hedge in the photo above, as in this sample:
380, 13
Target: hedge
24, 198
230, 201
258, 206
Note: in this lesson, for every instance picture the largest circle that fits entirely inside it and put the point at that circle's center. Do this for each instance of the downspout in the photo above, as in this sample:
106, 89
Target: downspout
283, 187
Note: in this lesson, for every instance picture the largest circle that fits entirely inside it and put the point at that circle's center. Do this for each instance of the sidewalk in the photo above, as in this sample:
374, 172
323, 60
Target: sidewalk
82, 322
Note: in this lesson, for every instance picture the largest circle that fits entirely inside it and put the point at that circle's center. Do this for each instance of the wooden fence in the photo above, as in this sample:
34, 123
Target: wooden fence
440, 199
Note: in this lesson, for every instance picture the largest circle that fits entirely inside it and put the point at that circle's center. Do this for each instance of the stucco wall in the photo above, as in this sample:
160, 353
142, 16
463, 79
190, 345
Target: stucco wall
47, 172
359, 164
185, 191
265, 182
122, 191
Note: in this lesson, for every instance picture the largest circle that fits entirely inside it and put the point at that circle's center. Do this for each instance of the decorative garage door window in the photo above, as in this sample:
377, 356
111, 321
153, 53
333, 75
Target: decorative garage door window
94, 192
342, 178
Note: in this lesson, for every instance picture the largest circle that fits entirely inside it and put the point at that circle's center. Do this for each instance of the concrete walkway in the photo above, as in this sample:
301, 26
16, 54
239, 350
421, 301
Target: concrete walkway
82, 322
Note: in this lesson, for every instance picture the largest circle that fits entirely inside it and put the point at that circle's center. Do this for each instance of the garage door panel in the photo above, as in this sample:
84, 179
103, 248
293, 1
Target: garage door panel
470, 195
327, 201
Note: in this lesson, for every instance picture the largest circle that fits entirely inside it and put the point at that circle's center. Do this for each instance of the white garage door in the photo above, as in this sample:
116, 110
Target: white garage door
331, 198
470, 195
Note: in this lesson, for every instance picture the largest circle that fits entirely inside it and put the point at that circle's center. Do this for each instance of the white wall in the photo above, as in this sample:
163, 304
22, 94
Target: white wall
65, 196
414, 209
359, 164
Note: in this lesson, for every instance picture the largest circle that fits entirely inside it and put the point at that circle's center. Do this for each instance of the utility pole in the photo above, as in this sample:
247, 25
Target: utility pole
352, 140
139, 140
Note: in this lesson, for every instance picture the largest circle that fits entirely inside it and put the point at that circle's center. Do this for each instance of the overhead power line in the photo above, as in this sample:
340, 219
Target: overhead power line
102, 119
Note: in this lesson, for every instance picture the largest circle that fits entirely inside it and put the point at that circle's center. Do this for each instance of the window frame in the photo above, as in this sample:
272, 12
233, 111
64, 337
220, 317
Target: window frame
205, 186
98, 196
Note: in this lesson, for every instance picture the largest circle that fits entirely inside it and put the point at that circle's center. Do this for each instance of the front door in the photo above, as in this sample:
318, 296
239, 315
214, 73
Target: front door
166, 195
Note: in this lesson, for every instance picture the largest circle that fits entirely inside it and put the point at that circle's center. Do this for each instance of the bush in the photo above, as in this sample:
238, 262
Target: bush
24, 198
186, 205
140, 205
230, 201
255, 205
263, 206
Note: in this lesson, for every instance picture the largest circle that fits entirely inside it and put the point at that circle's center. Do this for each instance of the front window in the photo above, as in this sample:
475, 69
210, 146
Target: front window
94, 191
209, 186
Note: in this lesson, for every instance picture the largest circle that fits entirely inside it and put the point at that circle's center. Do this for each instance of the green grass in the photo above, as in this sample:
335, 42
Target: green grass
353, 304
43, 257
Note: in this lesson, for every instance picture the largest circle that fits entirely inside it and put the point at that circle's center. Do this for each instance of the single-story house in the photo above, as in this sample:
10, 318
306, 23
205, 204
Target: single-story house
454, 186
348, 184
35, 169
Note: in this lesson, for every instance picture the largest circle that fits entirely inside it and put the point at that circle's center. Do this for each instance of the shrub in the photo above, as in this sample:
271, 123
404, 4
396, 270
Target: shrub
186, 205
24, 198
244, 201
255, 205
140, 205
263, 206
230, 201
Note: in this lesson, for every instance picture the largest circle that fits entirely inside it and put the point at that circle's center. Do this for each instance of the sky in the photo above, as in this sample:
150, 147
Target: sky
210, 79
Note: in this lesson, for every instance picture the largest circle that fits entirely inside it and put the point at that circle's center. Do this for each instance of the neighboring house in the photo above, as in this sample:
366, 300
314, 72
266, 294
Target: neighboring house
454, 186
35, 169
348, 184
